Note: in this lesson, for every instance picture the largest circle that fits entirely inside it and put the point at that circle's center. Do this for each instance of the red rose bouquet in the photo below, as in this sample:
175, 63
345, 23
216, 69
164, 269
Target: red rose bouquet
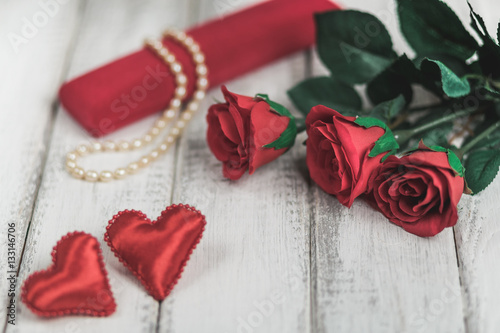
406, 161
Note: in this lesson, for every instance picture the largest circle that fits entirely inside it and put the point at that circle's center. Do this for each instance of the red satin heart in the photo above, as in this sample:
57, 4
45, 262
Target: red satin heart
156, 251
76, 283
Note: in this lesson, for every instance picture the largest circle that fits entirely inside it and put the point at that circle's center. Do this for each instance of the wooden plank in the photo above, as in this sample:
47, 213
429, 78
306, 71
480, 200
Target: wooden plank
478, 244
250, 273
369, 275
34, 41
477, 235
65, 204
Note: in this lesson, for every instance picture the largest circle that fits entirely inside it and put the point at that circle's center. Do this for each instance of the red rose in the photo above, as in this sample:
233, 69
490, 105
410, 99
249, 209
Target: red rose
419, 191
243, 133
337, 153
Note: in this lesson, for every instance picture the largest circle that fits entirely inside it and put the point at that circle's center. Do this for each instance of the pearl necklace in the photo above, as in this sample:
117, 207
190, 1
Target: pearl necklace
168, 116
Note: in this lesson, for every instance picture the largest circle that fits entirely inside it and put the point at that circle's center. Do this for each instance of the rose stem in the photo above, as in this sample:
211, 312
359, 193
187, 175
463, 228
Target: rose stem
301, 124
404, 135
461, 152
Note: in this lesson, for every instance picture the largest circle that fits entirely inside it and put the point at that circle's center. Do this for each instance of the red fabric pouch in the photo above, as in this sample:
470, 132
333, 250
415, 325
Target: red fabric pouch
140, 84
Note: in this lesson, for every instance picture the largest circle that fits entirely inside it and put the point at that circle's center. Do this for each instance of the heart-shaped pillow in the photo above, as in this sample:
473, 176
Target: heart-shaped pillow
76, 283
156, 251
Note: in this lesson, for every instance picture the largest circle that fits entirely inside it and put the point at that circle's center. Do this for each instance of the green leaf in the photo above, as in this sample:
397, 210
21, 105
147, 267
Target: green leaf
489, 52
325, 91
387, 110
287, 138
498, 33
355, 46
436, 136
431, 27
481, 167
393, 81
386, 143
453, 86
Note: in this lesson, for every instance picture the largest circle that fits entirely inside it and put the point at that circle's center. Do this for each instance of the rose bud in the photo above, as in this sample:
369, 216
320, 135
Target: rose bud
342, 152
420, 191
245, 133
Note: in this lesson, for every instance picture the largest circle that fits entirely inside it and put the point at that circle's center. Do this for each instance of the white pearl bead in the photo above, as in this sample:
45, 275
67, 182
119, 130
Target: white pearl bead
201, 69
189, 41
120, 173
132, 168
199, 95
124, 146
164, 52
78, 173
137, 143
153, 155
160, 123
181, 79
155, 131
175, 103
186, 115
91, 176
170, 59
83, 150
180, 124
193, 106
109, 146
163, 147
195, 48
181, 35
147, 138
199, 58
144, 161
202, 82
70, 165
180, 92
169, 114
71, 156
96, 146
176, 67
106, 176
170, 139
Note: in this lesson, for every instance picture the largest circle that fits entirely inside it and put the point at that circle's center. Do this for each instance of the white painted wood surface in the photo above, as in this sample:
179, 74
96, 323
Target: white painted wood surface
278, 255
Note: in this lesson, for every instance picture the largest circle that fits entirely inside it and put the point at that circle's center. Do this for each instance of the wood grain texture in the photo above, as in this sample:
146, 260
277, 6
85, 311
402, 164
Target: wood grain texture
65, 204
32, 60
278, 254
370, 275
478, 238
250, 272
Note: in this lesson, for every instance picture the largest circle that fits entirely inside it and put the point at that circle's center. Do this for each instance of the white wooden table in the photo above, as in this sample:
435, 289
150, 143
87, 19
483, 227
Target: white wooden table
278, 254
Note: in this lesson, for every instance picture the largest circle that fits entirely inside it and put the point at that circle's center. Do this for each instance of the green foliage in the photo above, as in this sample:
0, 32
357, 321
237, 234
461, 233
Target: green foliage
355, 46
430, 26
328, 92
357, 49
453, 86
386, 111
287, 138
386, 143
481, 167
393, 81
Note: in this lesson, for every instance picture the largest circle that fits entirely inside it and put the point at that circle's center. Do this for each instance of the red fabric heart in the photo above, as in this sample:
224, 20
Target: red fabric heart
76, 283
156, 251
